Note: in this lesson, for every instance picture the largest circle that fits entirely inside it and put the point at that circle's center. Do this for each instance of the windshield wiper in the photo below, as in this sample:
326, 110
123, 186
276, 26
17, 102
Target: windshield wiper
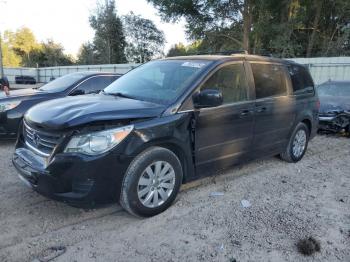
118, 94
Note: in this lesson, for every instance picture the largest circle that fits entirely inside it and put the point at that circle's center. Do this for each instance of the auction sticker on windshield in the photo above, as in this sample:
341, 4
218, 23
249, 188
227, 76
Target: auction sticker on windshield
194, 64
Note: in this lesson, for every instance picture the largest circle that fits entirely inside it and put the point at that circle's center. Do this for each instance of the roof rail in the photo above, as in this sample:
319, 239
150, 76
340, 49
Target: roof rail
228, 52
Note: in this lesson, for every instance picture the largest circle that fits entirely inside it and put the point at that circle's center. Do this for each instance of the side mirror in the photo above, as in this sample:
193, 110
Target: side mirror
208, 98
77, 92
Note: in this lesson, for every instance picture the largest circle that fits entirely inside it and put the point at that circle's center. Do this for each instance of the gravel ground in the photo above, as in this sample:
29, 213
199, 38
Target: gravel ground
288, 202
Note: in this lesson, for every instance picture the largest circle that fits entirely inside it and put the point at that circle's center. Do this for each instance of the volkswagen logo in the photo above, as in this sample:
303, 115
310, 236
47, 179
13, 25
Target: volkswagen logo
36, 139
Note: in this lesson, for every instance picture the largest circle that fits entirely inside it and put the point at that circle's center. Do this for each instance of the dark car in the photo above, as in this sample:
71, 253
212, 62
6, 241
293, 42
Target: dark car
14, 105
335, 106
165, 123
25, 80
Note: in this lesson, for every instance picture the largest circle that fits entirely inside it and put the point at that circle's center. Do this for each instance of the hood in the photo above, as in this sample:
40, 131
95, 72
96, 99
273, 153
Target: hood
19, 93
74, 111
334, 104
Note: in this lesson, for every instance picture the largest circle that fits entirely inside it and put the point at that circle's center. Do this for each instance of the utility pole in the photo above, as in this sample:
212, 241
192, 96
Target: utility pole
1, 64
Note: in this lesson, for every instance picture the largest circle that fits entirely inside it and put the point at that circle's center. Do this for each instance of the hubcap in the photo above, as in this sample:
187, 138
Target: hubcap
156, 184
299, 143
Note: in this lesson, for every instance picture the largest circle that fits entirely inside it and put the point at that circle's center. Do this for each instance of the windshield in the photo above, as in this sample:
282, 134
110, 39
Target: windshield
158, 81
62, 83
334, 89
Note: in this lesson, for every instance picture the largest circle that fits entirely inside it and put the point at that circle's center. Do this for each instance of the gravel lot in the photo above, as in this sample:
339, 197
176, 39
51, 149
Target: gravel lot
288, 202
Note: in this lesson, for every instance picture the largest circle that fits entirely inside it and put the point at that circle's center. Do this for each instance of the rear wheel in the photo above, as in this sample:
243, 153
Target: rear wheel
151, 182
297, 144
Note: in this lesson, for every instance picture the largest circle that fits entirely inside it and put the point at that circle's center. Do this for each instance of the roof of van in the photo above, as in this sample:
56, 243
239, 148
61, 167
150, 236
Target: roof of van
232, 57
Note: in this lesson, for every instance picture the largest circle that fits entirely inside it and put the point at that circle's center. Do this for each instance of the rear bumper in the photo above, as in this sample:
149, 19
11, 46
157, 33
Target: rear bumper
78, 180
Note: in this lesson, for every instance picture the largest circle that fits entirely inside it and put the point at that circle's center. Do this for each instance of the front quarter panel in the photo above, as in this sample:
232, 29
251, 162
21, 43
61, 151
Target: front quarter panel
172, 132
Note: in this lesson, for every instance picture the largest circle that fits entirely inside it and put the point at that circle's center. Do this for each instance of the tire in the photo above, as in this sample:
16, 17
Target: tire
302, 134
140, 181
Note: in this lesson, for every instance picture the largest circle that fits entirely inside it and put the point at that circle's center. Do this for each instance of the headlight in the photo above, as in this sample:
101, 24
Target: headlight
8, 105
98, 142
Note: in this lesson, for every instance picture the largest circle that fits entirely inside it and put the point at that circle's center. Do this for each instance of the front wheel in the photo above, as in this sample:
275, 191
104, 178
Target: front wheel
297, 144
151, 182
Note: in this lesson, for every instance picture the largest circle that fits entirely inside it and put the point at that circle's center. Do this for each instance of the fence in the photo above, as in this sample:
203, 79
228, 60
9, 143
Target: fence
324, 68
44, 74
321, 69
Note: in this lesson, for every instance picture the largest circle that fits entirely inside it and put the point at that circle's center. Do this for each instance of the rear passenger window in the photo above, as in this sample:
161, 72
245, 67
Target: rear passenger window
301, 79
269, 80
231, 81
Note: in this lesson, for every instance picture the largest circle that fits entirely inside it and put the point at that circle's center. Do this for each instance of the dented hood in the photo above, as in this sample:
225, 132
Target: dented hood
74, 111
334, 104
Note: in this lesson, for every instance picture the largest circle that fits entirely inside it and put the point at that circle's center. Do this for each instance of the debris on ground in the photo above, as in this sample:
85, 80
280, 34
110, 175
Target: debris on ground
51, 253
216, 194
245, 203
308, 246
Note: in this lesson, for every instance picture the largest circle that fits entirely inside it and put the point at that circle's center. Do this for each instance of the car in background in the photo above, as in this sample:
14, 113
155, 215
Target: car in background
334, 112
25, 80
14, 105
165, 123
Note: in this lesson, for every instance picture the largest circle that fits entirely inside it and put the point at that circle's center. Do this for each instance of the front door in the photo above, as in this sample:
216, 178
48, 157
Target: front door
223, 134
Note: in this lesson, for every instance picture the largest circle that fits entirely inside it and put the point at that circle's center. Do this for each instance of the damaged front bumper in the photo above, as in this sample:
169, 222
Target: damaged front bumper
335, 123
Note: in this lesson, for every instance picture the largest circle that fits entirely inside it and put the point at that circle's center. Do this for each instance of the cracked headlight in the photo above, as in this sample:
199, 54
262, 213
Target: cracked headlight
98, 142
9, 105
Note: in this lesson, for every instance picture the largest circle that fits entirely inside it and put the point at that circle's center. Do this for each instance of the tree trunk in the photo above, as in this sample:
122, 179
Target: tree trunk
318, 5
246, 24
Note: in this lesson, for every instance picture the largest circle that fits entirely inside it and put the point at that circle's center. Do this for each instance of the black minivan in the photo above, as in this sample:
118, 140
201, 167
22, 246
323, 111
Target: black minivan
165, 123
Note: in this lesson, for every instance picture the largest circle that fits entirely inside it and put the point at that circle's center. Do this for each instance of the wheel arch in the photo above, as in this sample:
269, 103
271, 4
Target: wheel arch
184, 157
308, 123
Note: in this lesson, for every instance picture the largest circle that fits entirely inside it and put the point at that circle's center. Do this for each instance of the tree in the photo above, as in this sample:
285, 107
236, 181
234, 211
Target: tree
177, 50
23, 43
50, 54
180, 49
10, 58
87, 54
109, 40
144, 39
212, 21
283, 28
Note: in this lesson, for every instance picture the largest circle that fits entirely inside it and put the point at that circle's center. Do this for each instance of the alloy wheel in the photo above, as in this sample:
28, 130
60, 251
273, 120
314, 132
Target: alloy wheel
156, 184
299, 143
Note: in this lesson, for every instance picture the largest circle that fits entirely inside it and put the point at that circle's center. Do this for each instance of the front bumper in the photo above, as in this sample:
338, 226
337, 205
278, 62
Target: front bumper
9, 125
76, 179
334, 123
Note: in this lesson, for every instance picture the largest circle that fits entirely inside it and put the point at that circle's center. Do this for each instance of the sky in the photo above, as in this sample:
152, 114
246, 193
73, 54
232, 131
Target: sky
67, 21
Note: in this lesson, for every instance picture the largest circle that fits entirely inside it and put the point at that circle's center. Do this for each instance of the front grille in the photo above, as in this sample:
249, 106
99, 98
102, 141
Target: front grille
40, 141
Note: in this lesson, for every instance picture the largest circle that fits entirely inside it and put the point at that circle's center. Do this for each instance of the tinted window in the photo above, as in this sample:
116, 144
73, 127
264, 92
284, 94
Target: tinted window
158, 81
96, 84
269, 80
301, 79
62, 83
231, 81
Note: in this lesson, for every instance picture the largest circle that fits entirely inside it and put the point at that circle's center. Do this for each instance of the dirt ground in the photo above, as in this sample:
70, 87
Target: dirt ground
288, 202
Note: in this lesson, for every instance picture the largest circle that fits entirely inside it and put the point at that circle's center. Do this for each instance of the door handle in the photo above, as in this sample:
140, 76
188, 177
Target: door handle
261, 109
245, 112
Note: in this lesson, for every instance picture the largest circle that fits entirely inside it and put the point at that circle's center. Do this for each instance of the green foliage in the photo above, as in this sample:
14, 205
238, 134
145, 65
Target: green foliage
87, 55
49, 54
181, 50
283, 28
144, 40
10, 58
109, 41
21, 48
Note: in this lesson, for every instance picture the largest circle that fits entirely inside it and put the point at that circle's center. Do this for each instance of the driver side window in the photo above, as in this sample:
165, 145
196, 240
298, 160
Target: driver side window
231, 81
95, 84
